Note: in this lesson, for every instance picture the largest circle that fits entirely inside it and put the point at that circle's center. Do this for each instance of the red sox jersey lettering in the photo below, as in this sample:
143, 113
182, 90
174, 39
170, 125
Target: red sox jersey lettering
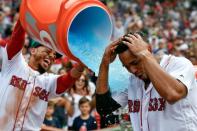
41, 93
22, 84
155, 104
18, 82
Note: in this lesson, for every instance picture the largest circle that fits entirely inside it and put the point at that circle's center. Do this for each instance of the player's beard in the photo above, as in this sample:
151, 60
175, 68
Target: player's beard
41, 70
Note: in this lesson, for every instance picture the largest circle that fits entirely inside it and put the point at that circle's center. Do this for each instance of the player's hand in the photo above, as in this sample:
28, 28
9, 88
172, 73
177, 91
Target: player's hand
77, 70
136, 44
110, 55
79, 67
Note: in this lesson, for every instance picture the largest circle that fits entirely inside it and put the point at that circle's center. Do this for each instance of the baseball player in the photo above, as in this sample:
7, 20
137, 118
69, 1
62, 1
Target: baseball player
161, 96
26, 87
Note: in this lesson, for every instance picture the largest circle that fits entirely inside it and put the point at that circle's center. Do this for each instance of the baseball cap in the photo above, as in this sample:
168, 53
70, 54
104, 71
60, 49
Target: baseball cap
35, 44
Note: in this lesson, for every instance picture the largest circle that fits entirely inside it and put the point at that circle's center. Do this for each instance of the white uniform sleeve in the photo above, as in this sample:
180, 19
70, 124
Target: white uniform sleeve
121, 98
51, 85
1, 57
16, 61
183, 70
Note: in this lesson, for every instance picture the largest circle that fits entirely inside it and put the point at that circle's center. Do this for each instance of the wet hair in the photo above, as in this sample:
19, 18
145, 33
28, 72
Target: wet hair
84, 100
122, 47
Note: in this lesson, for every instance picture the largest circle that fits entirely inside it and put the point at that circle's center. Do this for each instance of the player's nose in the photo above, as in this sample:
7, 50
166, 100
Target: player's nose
133, 70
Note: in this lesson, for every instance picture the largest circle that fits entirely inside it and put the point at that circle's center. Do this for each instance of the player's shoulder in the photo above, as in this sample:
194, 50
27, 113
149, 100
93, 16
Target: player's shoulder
176, 61
49, 74
181, 59
46, 77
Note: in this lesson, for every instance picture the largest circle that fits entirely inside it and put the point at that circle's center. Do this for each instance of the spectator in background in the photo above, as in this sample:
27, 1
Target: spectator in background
118, 29
128, 18
49, 119
26, 49
194, 43
59, 110
7, 20
91, 81
162, 48
79, 90
85, 120
2, 15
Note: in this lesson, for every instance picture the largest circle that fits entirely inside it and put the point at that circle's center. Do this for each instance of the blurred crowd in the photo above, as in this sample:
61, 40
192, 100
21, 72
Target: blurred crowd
169, 26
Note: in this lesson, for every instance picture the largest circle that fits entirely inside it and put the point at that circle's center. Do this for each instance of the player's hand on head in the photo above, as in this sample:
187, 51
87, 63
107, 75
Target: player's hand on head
136, 44
110, 55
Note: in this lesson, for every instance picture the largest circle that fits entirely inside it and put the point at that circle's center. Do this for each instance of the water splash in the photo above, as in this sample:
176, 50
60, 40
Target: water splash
88, 40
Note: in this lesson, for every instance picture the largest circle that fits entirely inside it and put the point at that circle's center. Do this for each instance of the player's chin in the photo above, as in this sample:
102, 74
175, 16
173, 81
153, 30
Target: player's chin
142, 77
46, 68
43, 68
45, 65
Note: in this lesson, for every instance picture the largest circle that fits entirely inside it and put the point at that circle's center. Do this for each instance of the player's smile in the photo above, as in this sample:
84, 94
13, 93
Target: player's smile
47, 57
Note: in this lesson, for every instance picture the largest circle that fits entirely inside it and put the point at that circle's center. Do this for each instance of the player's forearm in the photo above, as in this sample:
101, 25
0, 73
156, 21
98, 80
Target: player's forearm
16, 41
167, 86
76, 71
102, 80
2, 43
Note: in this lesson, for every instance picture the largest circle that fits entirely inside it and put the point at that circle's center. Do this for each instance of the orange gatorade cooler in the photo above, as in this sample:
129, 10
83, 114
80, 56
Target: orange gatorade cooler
79, 29
66, 24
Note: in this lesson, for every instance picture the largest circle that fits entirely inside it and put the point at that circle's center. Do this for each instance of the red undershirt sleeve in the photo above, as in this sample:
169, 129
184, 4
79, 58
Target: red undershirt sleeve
16, 41
3, 43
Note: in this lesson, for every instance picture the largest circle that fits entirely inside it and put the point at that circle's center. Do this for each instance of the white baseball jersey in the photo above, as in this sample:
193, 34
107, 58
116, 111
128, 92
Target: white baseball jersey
150, 112
0, 59
24, 94
195, 71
